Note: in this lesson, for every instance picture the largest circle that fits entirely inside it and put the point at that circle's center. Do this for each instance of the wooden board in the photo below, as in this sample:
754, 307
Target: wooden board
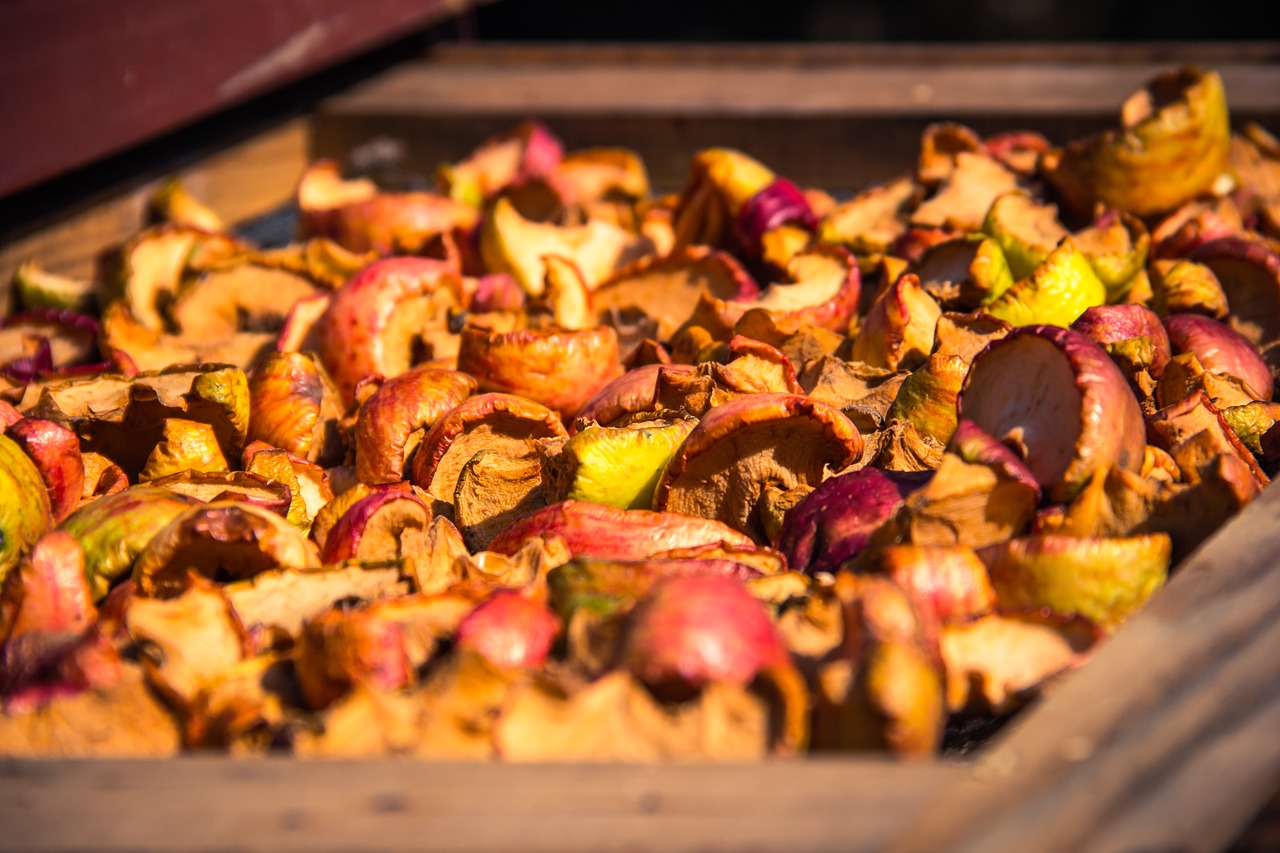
80, 79
837, 117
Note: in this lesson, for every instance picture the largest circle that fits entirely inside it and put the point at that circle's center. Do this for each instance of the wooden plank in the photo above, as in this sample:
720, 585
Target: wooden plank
280, 805
838, 120
1167, 740
240, 182
80, 79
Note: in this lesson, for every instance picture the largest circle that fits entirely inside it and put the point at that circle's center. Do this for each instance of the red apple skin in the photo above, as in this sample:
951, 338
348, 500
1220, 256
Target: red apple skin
510, 629
496, 292
1110, 324
1112, 429
834, 523
1221, 349
624, 534
1250, 276
351, 341
975, 446
56, 452
634, 391
560, 369
411, 401
345, 539
693, 631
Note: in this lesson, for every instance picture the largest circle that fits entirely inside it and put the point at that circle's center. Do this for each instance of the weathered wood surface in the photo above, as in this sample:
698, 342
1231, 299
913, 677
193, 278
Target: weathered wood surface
213, 804
1168, 740
834, 117
80, 79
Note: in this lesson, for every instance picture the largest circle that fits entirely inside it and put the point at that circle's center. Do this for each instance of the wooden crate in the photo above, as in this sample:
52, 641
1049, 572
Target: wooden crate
1168, 740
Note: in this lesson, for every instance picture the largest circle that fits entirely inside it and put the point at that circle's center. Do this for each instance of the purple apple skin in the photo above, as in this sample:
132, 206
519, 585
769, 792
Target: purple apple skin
511, 630
634, 391
344, 540
605, 531
1221, 349
835, 522
1110, 324
693, 631
975, 446
1111, 429
778, 204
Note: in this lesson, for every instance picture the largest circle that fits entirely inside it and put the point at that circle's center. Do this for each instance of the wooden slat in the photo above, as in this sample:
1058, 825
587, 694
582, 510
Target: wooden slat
1167, 740
241, 182
837, 118
80, 79
278, 805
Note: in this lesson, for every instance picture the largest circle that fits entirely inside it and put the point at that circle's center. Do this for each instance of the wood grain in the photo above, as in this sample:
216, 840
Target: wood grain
1166, 740
279, 805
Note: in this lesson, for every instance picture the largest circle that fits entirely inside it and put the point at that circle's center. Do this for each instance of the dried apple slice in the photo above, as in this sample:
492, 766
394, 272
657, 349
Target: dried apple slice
1221, 350
836, 521
341, 649
243, 297
969, 270
605, 531
1061, 288
382, 320
285, 599
601, 174
615, 466
941, 143
528, 151
403, 406
235, 486
1102, 580
24, 503
631, 393
898, 331
55, 450
294, 406
871, 221
722, 468
152, 263
1250, 277
384, 525
132, 347
301, 331
501, 422
1026, 228
1062, 404
512, 244
183, 446
948, 584
37, 288
1114, 324
494, 489
219, 540
1186, 287
721, 181
1116, 245
1172, 144
963, 199
172, 203
559, 369
510, 629
667, 288
927, 398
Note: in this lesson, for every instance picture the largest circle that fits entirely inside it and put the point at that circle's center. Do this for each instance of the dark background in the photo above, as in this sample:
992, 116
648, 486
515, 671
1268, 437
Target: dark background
872, 20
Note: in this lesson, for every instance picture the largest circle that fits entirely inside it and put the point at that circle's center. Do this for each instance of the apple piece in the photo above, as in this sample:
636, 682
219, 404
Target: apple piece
927, 398
234, 298
131, 347
319, 260
528, 151
301, 331
948, 584
40, 340
1075, 417
494, 489
666, 289
512, 244
1116, 244
37, 288
183, 446
969, 271
503, 422
1061, 288
721, 181
560, 369
882, 687
604, 531
966, 335
380, 320
898, 330
690, 632
383, 525
963, 198
403, 406
633, 392
285, 599
511, 630
151, 265
172, 203
823, 291
218, 540
1025, 228
25, 511
835, 523
616, 466
339, 650
779, 204
1103, 580
1250, 277
1252, 421
102, 477
1000, 662
721, 469
235, 486
902, 446
1195, 433
1172, 144
56, 452
1112, 324
294, 406
601, 174
1186, 376
123, 418
1186, 287
872, 220
307, 483
1020, 150
940, 145
1221, 350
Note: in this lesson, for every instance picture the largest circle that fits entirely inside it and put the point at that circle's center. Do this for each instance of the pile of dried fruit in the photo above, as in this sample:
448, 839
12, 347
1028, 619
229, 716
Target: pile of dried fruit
543, 466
